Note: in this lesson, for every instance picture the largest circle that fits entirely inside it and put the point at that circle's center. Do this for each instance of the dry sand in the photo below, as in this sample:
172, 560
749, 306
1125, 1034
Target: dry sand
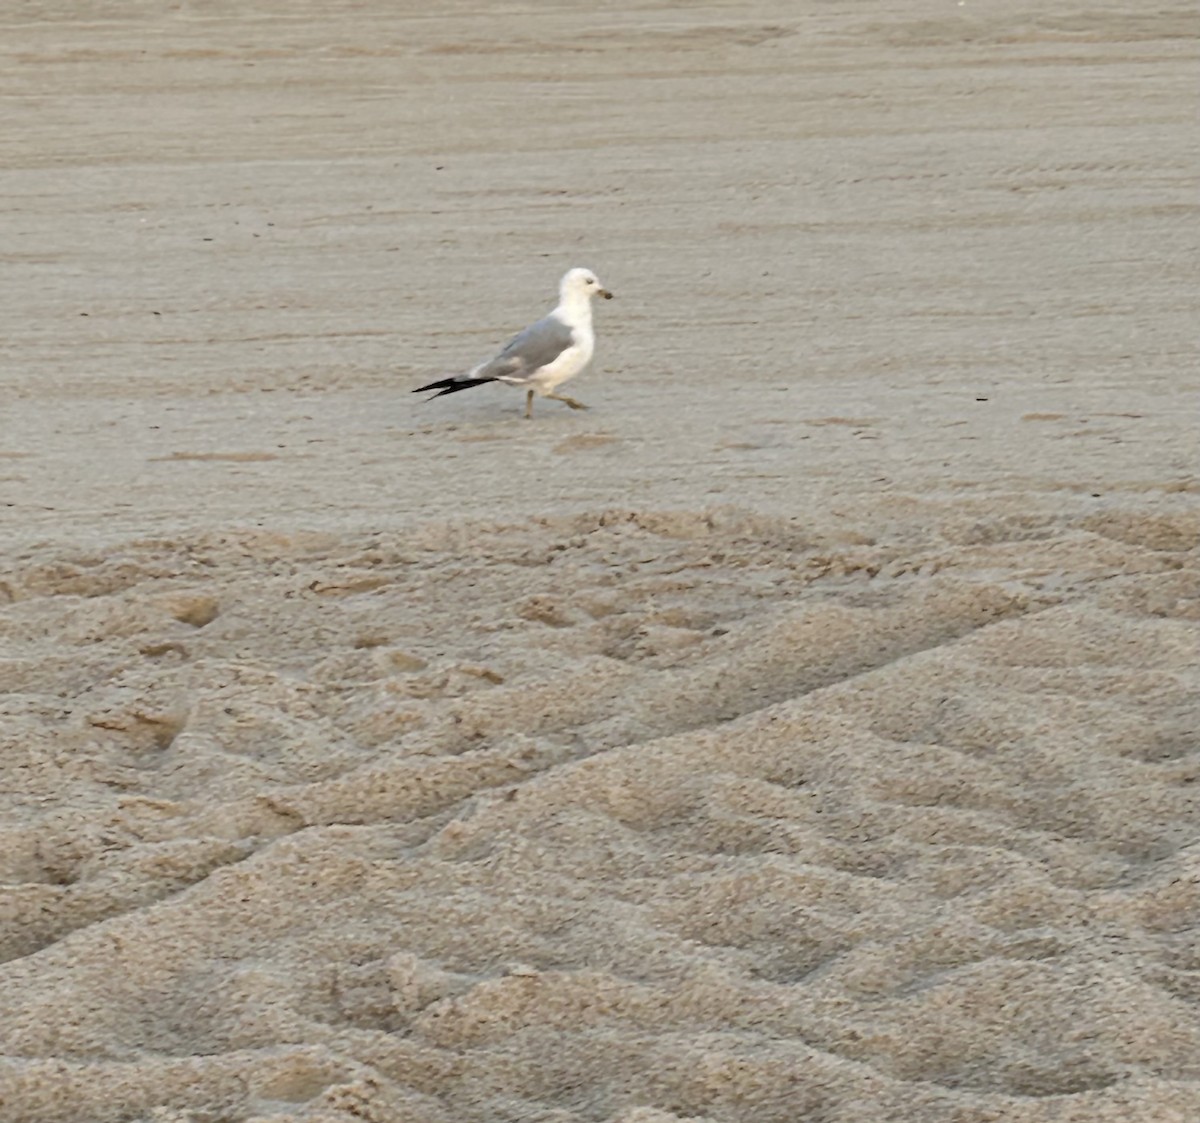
808, 733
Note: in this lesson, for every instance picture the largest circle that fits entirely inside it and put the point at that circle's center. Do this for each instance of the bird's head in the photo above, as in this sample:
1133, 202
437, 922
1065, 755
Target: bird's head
583, 282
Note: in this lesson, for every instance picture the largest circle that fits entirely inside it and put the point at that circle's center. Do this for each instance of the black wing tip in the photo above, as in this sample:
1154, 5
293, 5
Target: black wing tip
452, 385
433, 385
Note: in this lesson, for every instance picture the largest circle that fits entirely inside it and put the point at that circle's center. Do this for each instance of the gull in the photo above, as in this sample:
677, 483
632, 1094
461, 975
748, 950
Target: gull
545, 354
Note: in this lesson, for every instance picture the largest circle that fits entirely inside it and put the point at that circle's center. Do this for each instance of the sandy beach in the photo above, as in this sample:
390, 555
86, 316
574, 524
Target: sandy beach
807, 733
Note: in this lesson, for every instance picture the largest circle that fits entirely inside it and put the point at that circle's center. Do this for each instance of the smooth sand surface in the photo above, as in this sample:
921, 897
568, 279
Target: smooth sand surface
806, 734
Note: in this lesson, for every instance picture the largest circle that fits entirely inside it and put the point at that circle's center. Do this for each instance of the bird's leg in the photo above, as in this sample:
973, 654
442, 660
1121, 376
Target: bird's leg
529, 405
567, 401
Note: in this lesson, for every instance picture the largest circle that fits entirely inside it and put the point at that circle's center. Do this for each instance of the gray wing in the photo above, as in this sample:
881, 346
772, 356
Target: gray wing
525, 354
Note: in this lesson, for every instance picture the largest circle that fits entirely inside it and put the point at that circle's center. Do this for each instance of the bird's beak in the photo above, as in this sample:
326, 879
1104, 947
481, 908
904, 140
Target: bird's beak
606, 294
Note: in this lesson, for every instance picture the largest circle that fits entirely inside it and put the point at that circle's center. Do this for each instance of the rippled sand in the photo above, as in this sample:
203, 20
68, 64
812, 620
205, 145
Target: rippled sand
808, 734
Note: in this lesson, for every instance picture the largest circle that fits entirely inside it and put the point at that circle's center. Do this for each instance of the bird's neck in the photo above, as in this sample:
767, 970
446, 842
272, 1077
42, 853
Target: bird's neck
575, 308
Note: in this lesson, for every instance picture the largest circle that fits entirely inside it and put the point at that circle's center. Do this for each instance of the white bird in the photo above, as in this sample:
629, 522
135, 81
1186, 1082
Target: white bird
545, 354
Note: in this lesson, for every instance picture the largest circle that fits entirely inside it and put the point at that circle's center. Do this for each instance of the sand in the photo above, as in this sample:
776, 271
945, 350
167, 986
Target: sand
808, 733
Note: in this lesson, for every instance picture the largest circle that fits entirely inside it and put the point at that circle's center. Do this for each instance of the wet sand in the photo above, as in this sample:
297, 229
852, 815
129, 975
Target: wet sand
806, 732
